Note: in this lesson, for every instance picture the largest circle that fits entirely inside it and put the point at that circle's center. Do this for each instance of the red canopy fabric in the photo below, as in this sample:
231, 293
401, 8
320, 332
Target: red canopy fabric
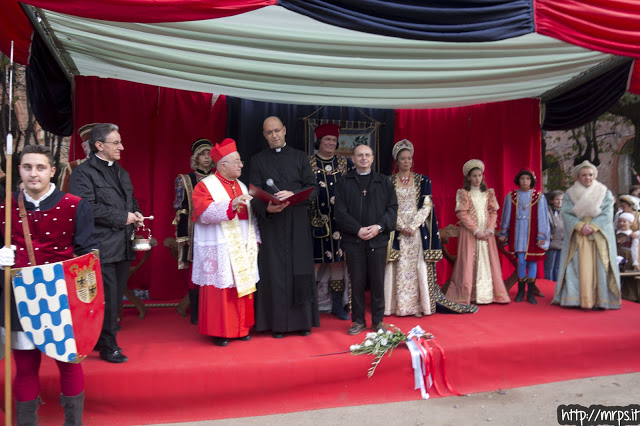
610, 26
14, 25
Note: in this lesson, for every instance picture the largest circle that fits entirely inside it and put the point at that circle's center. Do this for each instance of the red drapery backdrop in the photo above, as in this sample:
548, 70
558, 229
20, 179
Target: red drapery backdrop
504, 135
157, 126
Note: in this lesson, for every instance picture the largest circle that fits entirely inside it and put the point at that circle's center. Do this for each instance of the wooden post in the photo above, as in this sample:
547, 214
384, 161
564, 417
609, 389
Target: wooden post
8, 400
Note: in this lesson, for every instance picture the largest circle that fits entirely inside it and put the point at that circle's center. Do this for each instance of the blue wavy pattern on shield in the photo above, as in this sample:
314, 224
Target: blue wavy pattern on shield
44, 308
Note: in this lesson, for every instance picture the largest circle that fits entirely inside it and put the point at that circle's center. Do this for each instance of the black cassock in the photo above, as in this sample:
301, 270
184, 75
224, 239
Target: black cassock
286, 297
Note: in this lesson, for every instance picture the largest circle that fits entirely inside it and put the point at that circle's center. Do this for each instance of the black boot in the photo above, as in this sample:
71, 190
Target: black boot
27, 413
73, 409
522, 284
336, 307
531, 291
194, 299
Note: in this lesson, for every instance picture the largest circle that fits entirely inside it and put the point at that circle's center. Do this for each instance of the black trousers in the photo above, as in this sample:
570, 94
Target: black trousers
114, 278
366, 265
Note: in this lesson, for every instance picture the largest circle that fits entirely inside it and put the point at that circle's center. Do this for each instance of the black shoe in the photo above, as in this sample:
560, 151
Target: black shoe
356, 328
245, 338
98, 347
304, 332
220, 341
378, 326
521, 290
277, 335
115, 357
531, 298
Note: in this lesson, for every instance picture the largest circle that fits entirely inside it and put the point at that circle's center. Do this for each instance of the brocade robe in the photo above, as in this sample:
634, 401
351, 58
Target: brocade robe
589, 275
477, 274
410, 282
183, 206
327, 241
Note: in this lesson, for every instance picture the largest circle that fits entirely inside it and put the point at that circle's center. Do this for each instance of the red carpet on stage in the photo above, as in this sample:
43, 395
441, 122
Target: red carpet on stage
175, 374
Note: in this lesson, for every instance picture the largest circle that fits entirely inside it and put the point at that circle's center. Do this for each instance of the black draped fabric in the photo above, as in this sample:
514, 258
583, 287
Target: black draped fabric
587, 102
286, 298
245, 117
48, 90
435, 20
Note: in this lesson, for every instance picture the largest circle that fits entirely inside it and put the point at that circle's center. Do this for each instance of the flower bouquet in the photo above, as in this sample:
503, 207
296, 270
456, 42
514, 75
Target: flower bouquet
378, 344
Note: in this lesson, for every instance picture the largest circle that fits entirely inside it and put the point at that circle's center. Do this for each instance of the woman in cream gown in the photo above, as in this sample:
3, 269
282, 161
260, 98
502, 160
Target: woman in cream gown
477, 274
410, 283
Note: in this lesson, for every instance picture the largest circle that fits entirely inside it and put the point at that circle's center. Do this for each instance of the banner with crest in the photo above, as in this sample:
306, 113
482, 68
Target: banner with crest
352, 133
61, 306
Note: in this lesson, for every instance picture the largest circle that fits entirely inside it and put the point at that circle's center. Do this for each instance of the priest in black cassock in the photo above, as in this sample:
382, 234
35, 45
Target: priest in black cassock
366, 210
286, 299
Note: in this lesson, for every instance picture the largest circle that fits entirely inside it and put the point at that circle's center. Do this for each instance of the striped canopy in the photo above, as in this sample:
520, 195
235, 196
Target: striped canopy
368, 53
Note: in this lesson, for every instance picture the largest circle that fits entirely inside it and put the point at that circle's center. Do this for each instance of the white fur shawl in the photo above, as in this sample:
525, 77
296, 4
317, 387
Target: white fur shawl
587, 200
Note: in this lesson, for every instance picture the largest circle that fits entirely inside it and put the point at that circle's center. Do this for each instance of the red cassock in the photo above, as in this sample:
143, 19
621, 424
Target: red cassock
222, 313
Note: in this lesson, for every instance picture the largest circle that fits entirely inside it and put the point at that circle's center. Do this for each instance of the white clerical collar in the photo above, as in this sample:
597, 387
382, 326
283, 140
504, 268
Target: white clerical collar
280, 149
363, 174
37, 202
107, 161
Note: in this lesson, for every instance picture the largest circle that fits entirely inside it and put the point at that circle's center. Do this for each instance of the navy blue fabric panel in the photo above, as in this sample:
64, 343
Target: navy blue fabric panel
245, 117
48, 90
437, 20
587, 102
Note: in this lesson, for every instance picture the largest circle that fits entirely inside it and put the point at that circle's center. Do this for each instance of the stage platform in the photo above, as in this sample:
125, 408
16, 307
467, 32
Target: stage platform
175, 374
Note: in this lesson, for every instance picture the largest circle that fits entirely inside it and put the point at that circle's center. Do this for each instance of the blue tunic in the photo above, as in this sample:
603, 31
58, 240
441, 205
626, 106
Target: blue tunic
523, 217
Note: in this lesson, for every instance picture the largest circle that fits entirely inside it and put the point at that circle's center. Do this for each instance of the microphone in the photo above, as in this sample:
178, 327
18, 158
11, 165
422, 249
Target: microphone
272, 185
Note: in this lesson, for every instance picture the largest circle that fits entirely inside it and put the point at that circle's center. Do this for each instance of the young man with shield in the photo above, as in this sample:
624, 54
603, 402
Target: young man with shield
60, 226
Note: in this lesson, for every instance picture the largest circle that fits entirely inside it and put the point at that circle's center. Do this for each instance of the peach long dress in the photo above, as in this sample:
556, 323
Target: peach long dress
477, 274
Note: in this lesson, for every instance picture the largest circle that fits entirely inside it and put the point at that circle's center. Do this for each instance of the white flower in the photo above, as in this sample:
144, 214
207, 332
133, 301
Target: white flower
380, 331
384, 341
352, 348
368, 343
371, 335
389, 332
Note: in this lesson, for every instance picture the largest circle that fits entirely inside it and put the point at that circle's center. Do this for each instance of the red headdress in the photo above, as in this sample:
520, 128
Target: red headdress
223, 149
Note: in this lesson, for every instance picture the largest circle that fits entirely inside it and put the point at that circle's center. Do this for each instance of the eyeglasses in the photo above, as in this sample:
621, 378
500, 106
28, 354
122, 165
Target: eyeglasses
271, 132
115, 143
235, 162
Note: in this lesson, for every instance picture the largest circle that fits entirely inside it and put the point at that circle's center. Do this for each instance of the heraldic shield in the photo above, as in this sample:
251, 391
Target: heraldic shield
61, 306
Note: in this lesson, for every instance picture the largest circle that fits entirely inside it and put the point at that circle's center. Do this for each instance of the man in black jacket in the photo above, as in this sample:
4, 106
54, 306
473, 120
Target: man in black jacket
366, 210
107, 187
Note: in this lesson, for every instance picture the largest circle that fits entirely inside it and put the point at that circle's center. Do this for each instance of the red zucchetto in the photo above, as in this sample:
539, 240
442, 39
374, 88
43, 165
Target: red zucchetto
223, 149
